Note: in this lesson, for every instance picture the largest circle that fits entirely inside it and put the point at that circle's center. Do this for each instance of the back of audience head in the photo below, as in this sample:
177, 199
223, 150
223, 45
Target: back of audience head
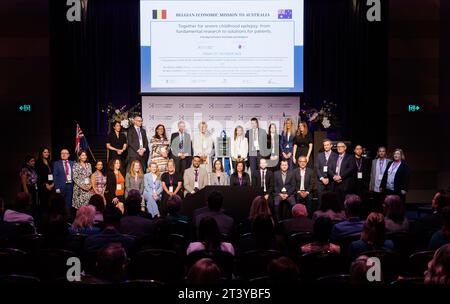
209, 233
57, 205
174, 205
438, 271
283, 271
440, 200
215, 200
352, 205
374, 231
263, 230
259, 206
112, 262
299, 210
22, 202
85, 217
204, 272
98, 202
330, 201
111, 216
133, 202
359, 269
394, 208
322, 229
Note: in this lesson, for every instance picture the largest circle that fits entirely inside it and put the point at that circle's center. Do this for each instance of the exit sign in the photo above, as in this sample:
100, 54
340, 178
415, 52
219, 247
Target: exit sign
414, 108
25, 108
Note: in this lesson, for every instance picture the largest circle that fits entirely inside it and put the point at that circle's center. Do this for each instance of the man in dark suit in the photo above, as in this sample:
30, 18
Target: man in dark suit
262, 180
362, 174
63, 178
323, 161
137, 143
257, 144
396, 176
304, 183
181, 148
299, 221
110, 234
284, 188
225, 223
132, 223
343, 172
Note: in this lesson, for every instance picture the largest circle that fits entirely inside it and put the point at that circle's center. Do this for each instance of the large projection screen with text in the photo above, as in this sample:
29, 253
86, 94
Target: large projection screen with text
217, 46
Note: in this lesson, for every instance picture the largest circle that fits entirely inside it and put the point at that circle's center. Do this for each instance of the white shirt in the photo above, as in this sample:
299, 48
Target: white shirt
302, 179
391, 175
203, 144
380, 164
263, 178
239, 147
139, 133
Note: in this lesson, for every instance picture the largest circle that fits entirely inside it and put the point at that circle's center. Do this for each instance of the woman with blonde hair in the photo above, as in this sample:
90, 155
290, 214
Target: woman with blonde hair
273, 143
239, 146
438, 271
152, 189
287, 141
135, 178
396, 176
84, 221
303, 142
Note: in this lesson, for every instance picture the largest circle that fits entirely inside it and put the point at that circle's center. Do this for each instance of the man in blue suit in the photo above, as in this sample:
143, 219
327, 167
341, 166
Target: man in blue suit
63, 178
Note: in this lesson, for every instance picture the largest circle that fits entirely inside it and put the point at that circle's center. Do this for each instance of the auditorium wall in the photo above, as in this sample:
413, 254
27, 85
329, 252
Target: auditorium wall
24, 79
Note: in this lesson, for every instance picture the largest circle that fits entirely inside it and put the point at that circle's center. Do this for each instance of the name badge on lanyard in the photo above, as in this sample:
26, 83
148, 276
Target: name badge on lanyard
256, 144
325, 169
50, 177
170, 188
87, 181
68, 178
195, 184
119, 187
380, 176
360, 175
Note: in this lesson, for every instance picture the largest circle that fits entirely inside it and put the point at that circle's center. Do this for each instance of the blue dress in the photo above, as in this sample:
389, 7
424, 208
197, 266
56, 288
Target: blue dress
151, 186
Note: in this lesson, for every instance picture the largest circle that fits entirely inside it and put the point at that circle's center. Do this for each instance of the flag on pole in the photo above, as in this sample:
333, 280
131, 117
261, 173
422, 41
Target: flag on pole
80, 141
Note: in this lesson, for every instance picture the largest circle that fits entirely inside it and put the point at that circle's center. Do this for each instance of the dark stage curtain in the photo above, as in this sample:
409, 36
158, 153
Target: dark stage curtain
97, 61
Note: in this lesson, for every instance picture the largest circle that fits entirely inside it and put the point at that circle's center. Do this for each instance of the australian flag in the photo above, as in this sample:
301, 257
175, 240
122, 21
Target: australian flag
284, 14
80, 141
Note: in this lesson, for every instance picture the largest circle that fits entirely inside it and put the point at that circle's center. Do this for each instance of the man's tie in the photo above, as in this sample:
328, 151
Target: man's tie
66, 168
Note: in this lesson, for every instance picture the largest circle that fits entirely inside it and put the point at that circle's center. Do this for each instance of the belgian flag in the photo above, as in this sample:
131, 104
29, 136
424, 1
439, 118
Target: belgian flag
159, 14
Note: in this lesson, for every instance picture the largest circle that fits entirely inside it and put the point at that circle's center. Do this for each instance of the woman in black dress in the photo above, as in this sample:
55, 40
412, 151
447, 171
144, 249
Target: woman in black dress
273, 144
240, 178
44, 170
303, 143
172, 184
116, 144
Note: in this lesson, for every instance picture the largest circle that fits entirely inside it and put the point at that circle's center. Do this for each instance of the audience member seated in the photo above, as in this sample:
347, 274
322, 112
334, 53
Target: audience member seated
18, 213
259, 206
321, 236
84, 221
57, 215
442, 236
353, 225
112, 263
430, 223
299, 221
225, 223
283, 271
358, 271
438, 271
98, 202
204, 272
132, 223
395, 219
209, 238
110, 233
173, 210
262, 236
373, 237
330, 207
7, 230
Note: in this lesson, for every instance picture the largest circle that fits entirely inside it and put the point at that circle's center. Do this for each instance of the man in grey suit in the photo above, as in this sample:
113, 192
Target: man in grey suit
257, 144
195, 178
137, 143
322, 166
181, 148
284, 190
379, 165
304, 183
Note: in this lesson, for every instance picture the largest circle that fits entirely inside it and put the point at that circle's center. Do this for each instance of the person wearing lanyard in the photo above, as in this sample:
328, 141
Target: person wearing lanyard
218, 177
115, 184
62, 177
181, 148
322, 164
287, 141
396, 176
82, 181
376, 174
195, 178
240, 178
171, 184
239, 146
273, 142
257, 139
362, 173
152, 190
44, 171
203, 146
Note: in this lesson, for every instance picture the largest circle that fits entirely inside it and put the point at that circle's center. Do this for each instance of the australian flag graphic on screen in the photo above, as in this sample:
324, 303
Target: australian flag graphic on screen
284, 14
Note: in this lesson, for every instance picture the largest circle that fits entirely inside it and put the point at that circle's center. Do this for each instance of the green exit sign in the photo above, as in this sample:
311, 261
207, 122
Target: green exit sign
413, 108
25, 108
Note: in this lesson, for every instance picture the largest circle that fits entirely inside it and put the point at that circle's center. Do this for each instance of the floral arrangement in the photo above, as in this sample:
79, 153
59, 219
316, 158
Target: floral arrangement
122, 115
325, 118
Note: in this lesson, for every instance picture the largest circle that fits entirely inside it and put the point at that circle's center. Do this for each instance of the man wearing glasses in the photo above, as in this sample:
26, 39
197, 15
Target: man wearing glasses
343, 171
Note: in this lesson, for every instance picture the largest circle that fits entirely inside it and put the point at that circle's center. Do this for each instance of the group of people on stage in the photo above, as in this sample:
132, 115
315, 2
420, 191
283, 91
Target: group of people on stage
278, 167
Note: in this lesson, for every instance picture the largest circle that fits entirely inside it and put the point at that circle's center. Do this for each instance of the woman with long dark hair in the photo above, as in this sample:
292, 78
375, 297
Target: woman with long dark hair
160, 148
29, 180
44, 170
116, 144
82, 187
303, 143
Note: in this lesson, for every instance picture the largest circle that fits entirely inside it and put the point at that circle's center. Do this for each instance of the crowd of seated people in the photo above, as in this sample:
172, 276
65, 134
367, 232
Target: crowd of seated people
114, 238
